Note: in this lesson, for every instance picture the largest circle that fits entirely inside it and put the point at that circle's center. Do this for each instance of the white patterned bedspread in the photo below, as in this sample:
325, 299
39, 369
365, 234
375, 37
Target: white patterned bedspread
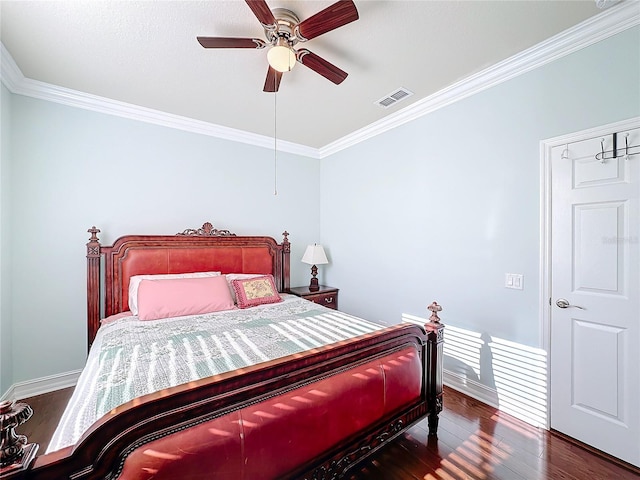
130, 358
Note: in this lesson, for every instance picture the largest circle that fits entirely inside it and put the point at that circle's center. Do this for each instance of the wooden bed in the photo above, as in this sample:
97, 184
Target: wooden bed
355, 422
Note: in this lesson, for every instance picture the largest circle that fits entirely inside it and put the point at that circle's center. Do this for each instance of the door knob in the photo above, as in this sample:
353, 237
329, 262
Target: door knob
564, 303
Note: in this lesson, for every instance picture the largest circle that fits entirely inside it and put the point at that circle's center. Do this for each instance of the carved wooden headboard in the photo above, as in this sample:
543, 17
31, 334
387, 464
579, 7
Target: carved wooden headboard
193, 250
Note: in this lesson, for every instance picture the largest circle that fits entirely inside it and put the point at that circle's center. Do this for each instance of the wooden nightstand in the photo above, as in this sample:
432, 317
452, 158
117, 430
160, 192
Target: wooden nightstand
327, 296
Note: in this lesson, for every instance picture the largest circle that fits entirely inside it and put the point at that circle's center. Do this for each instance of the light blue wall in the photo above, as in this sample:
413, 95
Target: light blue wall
441, 208
72, 169
438, 209
6, 361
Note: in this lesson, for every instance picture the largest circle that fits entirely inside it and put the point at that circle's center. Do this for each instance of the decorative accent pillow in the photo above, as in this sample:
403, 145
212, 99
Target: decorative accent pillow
134, 283
182, 296
239, 276
256, 291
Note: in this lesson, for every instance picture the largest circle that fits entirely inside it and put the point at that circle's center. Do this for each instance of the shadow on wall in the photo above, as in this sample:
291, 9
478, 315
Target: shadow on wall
511, 375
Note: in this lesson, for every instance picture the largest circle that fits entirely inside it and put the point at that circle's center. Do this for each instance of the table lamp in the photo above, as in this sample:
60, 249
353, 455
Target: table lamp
314, 255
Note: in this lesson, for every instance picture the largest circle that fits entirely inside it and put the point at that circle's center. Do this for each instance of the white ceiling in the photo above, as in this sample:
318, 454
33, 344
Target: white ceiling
146, 54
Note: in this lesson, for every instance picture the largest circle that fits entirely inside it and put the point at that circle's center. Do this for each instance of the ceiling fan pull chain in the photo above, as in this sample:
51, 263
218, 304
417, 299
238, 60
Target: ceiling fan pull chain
275, 142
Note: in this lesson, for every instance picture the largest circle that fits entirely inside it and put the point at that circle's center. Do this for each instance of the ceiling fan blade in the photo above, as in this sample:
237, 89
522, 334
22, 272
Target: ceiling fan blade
272, 82
230, 42
262, 11
321, 66
332, 17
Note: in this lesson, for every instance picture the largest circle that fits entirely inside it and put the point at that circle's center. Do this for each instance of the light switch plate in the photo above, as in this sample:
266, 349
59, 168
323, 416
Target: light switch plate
514, 280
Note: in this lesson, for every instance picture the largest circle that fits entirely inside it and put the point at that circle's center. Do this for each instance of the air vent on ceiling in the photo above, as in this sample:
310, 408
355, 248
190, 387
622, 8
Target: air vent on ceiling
394, 97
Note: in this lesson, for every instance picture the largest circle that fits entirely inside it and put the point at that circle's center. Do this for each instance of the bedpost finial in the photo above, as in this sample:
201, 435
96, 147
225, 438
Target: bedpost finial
434, 308
93, 247
285, 241
94, 233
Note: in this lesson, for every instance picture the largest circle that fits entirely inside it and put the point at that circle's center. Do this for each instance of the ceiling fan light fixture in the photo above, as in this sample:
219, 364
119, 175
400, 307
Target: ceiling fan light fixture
281, 57
283, 30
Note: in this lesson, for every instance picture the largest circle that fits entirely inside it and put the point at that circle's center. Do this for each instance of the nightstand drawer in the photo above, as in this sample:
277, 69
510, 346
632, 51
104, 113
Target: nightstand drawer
326, 296
327, 299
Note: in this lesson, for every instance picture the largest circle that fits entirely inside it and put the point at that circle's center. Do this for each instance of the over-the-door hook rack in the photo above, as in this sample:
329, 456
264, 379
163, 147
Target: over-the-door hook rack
626, 152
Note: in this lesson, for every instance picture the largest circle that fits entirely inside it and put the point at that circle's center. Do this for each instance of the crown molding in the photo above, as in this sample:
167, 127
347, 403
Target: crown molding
616, 19
11, 75
17, 83
610, 22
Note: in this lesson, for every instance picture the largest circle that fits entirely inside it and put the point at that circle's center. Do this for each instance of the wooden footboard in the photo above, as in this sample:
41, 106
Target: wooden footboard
103, 450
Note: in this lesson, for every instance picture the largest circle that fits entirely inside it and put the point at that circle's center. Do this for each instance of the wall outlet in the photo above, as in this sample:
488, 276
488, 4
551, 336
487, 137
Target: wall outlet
514, 280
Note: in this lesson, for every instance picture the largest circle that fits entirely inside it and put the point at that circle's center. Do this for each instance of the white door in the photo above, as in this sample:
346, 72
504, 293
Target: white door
595, 294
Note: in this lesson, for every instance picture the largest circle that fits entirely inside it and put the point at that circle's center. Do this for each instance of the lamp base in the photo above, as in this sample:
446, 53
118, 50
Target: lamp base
313, 286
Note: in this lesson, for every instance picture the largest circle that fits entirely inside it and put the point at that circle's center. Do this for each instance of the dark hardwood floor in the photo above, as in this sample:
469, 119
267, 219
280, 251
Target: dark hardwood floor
474, 441
47, 410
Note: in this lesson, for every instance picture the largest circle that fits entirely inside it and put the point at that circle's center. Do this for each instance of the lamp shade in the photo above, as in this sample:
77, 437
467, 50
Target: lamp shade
314, 255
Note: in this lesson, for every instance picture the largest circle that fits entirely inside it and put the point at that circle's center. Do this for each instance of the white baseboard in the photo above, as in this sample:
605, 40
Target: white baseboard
471, 388
31, 388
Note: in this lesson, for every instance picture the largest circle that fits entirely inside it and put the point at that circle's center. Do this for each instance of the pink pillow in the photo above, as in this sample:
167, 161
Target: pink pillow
182, 296
256, 291
134, 283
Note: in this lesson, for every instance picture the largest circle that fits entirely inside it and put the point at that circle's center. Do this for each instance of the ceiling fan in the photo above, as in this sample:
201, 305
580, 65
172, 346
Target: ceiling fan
283, 30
